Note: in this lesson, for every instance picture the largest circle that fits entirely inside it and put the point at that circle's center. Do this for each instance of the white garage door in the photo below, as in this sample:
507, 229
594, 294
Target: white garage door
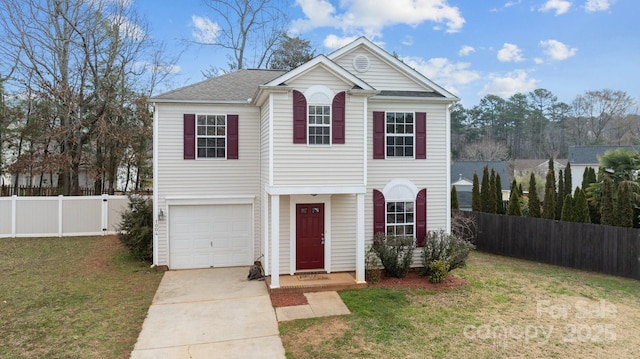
210, 236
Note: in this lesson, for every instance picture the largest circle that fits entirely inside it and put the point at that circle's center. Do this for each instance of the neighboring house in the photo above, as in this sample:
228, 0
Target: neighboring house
299, 169
462, 178
582, 157
540, 167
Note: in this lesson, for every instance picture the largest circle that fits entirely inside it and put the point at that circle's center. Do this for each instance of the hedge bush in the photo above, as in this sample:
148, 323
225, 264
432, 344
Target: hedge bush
440, 245
395, 253
136, 228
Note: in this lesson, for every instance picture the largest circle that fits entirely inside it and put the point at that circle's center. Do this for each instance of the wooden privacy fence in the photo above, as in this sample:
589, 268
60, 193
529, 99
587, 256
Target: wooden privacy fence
592, 247
61, 216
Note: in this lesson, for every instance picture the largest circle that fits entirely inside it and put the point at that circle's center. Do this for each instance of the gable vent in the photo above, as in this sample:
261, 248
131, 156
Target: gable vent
361, 63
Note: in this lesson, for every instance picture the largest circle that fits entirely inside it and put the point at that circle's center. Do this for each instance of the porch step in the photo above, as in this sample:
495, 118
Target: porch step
315, 282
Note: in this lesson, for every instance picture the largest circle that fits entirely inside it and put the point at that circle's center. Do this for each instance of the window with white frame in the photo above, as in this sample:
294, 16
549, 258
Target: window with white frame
399, 134
400, 218
319, 125
211, 136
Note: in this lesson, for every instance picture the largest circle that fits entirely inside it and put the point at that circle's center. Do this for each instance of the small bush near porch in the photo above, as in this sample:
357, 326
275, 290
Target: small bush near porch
511, 308
75, 297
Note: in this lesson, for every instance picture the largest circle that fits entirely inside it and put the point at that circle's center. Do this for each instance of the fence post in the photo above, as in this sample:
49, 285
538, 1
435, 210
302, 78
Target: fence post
105, 213
14, 215
60, 216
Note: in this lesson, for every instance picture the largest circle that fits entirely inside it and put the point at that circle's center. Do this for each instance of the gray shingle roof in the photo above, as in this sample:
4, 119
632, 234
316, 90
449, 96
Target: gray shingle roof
589, 154
466, 169
233, 87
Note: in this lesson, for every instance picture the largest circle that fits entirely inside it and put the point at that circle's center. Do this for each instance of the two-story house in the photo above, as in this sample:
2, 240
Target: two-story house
300, 168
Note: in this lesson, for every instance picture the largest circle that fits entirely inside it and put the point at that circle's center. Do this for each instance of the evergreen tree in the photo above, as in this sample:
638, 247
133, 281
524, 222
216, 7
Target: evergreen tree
534, 201
513, 208
454, 199
607, 215
568, 186
476, 203
549, 205
499, 204
580, 207
520, 192
588, 178
568, 213
561, 193
624, 210
485, 189
514, 186
493, 206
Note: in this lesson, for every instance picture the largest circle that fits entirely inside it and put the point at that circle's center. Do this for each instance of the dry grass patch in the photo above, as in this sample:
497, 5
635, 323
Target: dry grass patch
511, 308
75, 297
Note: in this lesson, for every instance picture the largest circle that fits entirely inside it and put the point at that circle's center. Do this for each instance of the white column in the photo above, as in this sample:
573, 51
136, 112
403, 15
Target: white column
265, 233
360, 238
60, 216
275, 241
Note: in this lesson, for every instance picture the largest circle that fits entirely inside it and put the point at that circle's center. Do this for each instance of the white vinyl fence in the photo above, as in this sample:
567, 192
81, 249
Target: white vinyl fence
61, 216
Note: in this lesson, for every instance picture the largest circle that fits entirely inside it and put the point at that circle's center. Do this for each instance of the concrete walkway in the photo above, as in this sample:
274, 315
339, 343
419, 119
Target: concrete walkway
320, 304
210, 313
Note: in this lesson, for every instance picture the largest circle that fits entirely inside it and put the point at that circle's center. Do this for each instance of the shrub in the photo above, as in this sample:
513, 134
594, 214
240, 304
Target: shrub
136, 228
371, 267
440, 245
438, 270
395, 253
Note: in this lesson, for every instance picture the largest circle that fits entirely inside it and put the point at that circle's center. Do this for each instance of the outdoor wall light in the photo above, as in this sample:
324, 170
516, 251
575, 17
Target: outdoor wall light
161, 214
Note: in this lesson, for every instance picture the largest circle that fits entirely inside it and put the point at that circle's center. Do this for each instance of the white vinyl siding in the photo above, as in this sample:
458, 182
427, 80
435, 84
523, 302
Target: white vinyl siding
430, 173
343, 233
380, 75
316, 165
179, 178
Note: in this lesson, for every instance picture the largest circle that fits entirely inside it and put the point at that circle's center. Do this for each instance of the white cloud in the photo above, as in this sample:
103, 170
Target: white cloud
511, 83
466, 50
128, 28
556, 50
369, 17
443, 72
512, 3
597, 5
205, 30
408, 41
334, 41
510, 53
538, 60
559, 6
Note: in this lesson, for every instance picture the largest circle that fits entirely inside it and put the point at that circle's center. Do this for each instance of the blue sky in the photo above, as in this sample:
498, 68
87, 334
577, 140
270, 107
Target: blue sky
471, 47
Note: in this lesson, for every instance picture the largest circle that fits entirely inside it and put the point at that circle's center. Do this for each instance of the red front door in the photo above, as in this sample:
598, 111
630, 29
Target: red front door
310, 236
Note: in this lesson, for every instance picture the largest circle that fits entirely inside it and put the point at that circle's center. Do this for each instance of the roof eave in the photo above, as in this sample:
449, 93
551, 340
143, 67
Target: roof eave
207, 102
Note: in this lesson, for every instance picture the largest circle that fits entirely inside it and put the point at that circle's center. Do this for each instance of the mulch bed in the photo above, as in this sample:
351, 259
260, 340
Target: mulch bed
412, 280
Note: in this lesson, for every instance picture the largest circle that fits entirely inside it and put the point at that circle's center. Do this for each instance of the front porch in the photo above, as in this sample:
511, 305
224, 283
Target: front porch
315, 282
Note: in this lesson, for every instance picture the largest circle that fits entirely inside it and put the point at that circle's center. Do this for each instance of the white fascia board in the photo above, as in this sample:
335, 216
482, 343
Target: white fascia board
291, 190
205, 200
204, 102
413, 99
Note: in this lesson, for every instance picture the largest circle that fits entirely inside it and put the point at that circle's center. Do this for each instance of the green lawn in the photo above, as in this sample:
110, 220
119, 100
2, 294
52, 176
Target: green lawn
510, 309
80, 297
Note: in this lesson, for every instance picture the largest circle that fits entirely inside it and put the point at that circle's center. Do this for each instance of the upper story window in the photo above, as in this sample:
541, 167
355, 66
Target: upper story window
211, 136
319, 125
399, 134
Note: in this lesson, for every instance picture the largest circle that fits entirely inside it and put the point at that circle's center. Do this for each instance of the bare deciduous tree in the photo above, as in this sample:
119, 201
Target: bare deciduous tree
485, 150
250, 29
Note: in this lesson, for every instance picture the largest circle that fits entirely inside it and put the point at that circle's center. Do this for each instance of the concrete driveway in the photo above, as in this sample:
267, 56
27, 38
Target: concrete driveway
210, 313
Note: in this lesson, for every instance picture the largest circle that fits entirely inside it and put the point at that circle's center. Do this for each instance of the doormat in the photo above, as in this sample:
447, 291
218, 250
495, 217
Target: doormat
313, 277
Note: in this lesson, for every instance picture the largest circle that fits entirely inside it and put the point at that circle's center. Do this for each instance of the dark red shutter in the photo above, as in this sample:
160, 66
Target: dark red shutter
299, 117
378, 135
421, 135
337, 118
189, 136
232, 137
421, 217
379, 212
